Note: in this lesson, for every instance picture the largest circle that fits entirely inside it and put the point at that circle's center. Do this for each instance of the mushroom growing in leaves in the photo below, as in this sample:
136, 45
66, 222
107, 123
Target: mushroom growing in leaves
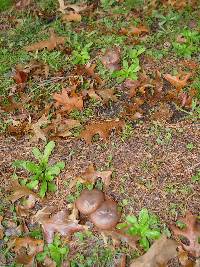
106, 216
89, 201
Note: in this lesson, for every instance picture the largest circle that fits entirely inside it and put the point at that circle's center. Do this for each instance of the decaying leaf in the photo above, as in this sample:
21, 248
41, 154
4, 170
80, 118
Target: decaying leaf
77, 8
176, 81
158, 255
61, 127
1, 228
59, 222
107, 94
91, 175
32, 246
12, 105
50, 44
20, 191
38, 133
102, 128
68, 103
162, 113
118, 236
20, 76
191, 232
138, 30
71, 16
111, 59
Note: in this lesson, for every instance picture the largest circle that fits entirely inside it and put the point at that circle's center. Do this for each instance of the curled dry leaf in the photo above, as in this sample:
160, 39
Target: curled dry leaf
91, 175
102, 128
60, 127
38, 133
191, 232
158, 255
20, 76
1, 228
75, 7
68, 103
32, 246
22, 191
107, 94
50, 44
118, 236
176, 81
138, 30
71, 16
111, 59
59, 222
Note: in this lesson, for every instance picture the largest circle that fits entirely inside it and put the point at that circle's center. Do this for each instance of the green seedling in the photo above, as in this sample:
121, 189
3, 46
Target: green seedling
196, 177
81, 54
190, 44
43, 173
130, 65
55, 251
145, 227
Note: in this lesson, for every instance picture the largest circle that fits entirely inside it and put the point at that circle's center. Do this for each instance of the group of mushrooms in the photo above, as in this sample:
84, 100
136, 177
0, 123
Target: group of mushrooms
102, 212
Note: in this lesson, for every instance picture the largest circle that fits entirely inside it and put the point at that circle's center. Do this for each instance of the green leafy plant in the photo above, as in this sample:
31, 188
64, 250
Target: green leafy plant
190, 46
106, 4
55, 251
43, 173
81, 54
130, 65
146, 227
196, 177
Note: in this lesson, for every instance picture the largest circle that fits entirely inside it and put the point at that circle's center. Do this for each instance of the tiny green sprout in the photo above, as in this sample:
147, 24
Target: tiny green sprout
146, 227
180, 224
190, 146
196, 177
42, 173
55, 251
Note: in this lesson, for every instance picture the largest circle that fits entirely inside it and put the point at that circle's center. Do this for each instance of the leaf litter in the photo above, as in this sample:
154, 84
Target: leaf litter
146, 92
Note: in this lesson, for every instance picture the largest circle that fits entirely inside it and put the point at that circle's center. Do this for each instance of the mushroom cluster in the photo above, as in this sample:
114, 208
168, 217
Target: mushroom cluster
103, 213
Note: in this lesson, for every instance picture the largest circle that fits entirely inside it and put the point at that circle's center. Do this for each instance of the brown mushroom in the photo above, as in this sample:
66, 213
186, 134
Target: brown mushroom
89, 201
106, 216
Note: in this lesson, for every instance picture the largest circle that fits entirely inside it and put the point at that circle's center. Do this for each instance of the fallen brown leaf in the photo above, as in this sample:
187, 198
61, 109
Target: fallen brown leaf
162, 113
59, 222
68, 103
50, 44
158, 255
38, 133
20, 191
138, 30
102, 128
111, 59
107, 94
32, 246
176, 81
191, 232
71, 16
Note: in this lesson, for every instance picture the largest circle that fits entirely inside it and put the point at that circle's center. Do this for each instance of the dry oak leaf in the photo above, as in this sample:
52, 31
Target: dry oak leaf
20, 76
1, 228
75, 7
111, 59
50, 44
59, 222
107, 94
32, 246
38, 133
68, 103
71, 17
138, 30
102, 128
91, 175
60, 127
176, 81
158, 255
191, 232
21, 191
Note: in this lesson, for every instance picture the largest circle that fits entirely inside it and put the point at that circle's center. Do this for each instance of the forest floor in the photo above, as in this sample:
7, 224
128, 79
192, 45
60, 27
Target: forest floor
115, 85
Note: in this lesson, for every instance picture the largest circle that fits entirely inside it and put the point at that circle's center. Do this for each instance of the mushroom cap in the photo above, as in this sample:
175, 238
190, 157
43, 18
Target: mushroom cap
89, 201
106, 216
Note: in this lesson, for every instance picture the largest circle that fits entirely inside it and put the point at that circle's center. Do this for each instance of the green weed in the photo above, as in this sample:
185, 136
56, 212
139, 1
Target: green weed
196, 177
146, 226
55, 251
43, 173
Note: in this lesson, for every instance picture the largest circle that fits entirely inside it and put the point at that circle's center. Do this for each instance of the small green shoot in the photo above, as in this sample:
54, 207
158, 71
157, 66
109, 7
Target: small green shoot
145, 227
55, 251
81, 55
196, 177
43, 173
